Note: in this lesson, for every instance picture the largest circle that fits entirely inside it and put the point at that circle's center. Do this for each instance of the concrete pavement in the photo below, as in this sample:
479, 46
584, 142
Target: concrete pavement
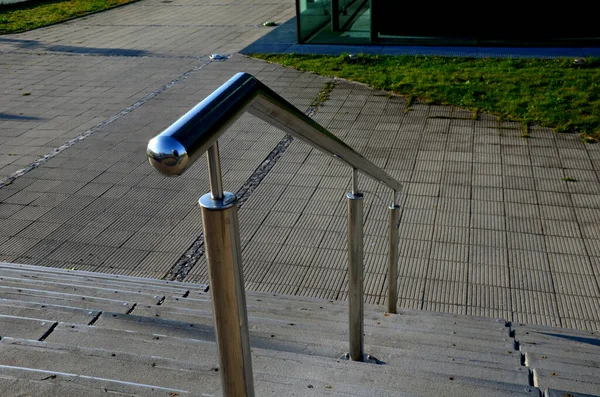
59, 82
496, 221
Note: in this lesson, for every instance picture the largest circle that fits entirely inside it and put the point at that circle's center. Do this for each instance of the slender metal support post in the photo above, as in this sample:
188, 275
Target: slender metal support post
214, 172
374, 35
355, 270
335, 15
394, 238
223, 251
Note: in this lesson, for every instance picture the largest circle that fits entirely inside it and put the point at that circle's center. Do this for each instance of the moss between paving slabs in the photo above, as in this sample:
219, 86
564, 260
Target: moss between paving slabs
19, 17
559, 93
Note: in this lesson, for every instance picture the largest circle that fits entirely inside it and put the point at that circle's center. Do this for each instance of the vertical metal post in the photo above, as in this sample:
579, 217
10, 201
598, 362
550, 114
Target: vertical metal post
335, 15
355, 270
214, 172
223, 251
393, 241
374, 33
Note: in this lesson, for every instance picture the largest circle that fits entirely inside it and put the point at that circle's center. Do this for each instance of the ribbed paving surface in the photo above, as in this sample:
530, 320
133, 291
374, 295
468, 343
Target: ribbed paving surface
76, 333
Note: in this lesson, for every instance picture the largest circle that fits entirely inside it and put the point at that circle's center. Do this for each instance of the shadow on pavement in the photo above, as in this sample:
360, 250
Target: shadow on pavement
276, 41
4, 116
36, 45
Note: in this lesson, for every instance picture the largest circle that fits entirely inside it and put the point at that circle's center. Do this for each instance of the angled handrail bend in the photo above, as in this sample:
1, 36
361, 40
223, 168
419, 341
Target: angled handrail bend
180, 145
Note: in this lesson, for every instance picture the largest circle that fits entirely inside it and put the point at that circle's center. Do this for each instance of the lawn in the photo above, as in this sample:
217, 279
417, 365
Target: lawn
19, 17
560, 93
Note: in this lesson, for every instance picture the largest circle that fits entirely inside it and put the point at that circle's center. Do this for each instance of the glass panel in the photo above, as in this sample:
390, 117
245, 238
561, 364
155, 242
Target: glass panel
313, 15
334, 21
346, 11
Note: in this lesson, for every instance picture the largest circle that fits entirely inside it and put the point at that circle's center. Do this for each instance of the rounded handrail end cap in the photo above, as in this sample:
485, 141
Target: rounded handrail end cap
167, 155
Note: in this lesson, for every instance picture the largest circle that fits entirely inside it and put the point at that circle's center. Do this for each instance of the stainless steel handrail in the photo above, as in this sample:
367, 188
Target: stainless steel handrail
176, 148
180, 145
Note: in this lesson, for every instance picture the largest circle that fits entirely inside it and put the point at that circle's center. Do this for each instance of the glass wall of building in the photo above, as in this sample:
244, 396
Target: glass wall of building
419, 23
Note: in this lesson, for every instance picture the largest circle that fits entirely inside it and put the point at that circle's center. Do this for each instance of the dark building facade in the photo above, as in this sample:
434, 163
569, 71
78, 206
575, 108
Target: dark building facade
420, 22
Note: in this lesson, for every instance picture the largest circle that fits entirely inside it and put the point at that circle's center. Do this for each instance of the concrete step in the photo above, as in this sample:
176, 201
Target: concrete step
108, 338
22, 327
327, 314
553, 339
558, 340
51, 386
32, 281
20, 382
109, 365
295, 303
507, 360
10, 307
76, 289
564, 380
114, 282
201, 327
482, 324
58, 274
377, 324
561, 359
557, 335
562, 393
83, 280
547, 350
557, 344
168, 340
414, 381
89, 302
569, 363
194, 350
525, 329
278, 366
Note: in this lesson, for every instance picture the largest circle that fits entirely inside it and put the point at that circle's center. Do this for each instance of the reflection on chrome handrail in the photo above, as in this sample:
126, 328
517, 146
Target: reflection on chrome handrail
177, 147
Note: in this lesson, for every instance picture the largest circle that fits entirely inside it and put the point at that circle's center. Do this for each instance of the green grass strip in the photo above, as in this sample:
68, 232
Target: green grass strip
558, 93
19, 17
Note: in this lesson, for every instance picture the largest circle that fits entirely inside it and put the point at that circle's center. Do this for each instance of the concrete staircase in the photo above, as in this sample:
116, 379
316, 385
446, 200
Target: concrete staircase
70, 333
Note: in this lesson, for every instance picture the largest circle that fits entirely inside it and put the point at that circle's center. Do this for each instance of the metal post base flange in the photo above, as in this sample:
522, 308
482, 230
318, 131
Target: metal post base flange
366, 358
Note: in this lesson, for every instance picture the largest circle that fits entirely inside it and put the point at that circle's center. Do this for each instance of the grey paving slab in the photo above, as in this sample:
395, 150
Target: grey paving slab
120, 57
45, 116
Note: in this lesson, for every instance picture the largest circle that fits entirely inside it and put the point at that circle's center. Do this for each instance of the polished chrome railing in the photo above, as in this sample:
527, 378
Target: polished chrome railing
175, 149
